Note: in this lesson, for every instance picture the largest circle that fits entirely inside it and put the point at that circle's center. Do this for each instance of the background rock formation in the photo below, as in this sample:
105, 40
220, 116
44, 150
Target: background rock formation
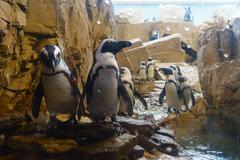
77, 26
219, 73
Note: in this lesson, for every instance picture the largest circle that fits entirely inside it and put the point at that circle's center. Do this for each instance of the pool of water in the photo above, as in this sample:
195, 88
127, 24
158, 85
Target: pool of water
208, 141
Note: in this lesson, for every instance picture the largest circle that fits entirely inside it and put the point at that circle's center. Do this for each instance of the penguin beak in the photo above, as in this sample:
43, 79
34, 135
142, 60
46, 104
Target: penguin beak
53, 65
124, 44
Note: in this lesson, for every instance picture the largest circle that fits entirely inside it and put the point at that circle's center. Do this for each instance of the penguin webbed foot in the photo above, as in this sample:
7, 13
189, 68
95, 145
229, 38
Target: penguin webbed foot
52, 125
72, 120
119, 128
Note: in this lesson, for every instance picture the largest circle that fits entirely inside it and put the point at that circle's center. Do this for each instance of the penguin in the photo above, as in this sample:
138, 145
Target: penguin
126, 78
104, 86
150, 69
171, 90
57, 85
176, 71
187, 93
142, 72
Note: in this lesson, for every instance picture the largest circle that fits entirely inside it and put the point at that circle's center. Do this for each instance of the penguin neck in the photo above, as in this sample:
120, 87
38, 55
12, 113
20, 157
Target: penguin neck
170, 77
58, 68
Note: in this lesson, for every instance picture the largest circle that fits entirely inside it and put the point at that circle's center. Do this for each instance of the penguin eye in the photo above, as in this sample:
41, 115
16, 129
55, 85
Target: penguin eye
58, 55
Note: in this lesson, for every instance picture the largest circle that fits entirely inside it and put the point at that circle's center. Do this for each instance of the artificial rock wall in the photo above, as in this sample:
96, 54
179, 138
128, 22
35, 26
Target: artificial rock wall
77, 26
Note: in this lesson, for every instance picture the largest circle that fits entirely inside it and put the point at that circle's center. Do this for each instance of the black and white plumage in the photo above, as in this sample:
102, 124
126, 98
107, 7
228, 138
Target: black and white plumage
176, 71
142, 71
187, 93
171, 90
126, 78
150, 69
57, 85
104, 87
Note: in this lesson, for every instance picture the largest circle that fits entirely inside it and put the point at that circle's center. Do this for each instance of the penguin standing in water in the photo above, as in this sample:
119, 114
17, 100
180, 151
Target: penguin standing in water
142, 71
57, 85
126, 78
187, 93
171, 90
150, 69
104, 86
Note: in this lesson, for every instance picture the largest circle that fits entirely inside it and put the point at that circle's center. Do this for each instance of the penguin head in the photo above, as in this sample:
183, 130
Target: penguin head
182, 79
176, 69
124, 71
150, 58
112, 46
166, 71
50, 56
142, 63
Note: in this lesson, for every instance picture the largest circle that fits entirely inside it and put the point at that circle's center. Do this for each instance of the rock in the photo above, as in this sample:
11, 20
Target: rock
37, 23
2, 139
144, 87
137, 152
112, 148
189, 32
167, 49
200, 108
169, 43
137, 126
10, 122
5, 11
41, 143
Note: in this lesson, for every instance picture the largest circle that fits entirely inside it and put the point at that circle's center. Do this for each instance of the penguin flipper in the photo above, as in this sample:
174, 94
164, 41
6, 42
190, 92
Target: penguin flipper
37, 100
192, 98
140, 97
162, 95
127, 100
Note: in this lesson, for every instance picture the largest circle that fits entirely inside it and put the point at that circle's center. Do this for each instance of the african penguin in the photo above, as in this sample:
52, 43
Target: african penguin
126, 78
57, 85
142, 72
176, 71
150, 69
187, 93
104, 86
171, 90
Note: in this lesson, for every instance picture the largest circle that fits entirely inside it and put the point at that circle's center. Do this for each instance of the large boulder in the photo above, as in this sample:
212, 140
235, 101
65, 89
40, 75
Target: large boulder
220, 75
187, 30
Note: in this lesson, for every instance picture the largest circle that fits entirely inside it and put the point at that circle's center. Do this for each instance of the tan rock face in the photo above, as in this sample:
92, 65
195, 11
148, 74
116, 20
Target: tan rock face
189, 32
220, 75
77, 26
167, 49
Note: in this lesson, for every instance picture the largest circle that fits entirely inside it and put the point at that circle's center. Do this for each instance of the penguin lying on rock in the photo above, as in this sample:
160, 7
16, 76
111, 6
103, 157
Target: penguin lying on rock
187, 93
171, 90
142, 71
104, 86
57, 85
126, 78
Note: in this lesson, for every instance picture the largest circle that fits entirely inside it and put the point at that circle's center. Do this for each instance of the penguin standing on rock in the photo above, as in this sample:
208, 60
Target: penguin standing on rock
186, 92
176, 71
57, 85
142, 71
150, 69
126, 78
171, 90
104, 87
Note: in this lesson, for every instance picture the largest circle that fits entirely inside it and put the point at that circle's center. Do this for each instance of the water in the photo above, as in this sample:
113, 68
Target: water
208, 141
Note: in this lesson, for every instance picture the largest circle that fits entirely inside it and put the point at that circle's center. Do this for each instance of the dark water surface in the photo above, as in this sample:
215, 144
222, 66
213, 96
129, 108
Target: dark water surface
208, 141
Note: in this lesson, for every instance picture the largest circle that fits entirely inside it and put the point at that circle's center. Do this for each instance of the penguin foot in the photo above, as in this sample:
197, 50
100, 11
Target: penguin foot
119, 128
52, 126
